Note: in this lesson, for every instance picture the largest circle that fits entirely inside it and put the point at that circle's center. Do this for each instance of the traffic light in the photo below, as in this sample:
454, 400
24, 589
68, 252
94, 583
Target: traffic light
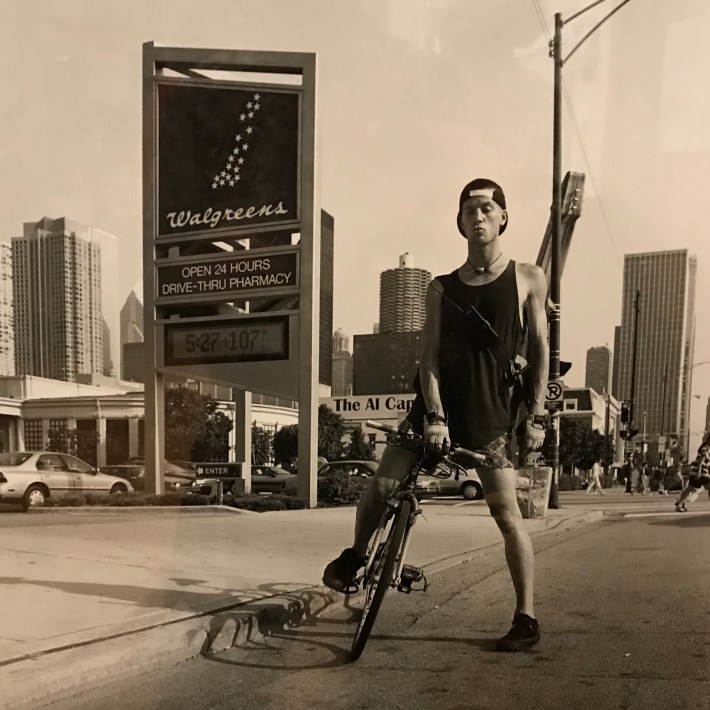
625, 410
632, 433
564, 367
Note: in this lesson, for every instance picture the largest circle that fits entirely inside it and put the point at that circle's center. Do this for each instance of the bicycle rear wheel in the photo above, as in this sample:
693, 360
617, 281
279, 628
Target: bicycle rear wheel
380, 577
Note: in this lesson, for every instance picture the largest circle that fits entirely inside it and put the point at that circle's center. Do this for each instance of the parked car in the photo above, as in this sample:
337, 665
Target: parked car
210, 487
133, 471
270, 479
441, 481
364, 469
29, 477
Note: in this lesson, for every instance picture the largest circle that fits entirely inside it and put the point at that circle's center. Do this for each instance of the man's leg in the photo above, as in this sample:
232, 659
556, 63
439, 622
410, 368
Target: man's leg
499, 490
396, 462
342, 571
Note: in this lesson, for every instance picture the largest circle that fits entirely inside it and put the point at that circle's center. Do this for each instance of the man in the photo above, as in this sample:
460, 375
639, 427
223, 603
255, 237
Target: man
462, 394
699, 478
595, 484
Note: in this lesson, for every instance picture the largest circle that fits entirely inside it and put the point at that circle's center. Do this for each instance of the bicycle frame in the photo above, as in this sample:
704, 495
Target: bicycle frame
404, 490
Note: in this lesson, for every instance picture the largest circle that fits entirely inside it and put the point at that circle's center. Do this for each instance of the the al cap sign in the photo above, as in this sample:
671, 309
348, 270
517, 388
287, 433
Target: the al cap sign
228, 157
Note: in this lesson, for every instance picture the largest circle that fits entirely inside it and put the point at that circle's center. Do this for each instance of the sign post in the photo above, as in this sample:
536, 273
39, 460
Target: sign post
231, 242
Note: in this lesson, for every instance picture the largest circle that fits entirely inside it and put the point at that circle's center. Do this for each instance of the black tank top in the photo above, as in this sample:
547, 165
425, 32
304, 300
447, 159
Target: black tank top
476, 401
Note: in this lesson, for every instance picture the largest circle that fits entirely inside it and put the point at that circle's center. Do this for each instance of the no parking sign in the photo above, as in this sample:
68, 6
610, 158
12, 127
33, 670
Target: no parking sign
554, 393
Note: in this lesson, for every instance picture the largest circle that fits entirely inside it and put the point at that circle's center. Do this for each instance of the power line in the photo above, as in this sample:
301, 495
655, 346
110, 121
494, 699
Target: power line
580, 140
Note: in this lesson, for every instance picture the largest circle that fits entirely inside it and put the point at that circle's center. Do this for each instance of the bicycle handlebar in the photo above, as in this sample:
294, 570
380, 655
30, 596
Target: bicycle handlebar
475, 455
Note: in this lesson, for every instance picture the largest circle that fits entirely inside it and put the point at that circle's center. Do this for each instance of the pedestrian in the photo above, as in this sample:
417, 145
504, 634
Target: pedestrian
699, 478
635, 476
678, 476
644, 482
460, 392
595, 484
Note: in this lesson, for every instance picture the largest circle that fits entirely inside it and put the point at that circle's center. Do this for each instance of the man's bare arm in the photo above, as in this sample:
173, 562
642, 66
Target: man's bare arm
538, 355
429, 375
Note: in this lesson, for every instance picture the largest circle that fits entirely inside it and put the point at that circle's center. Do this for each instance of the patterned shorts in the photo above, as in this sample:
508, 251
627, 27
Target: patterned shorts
497, 453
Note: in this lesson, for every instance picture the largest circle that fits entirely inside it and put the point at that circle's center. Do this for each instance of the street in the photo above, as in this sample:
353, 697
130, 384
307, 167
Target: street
624, 608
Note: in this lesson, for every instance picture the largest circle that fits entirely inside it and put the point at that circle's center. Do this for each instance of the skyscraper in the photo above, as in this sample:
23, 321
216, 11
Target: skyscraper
666, 337
598, 369
60, 329
7, 313
131, 325
402, 294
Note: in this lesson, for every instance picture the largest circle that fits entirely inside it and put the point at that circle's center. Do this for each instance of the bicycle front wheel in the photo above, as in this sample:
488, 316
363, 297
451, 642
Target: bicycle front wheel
381, 577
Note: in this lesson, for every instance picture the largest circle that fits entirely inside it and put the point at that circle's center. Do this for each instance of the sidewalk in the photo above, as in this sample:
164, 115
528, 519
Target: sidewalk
90, 595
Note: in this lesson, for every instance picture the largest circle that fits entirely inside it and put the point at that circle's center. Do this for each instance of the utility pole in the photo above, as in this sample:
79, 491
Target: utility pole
663, 417
556, 219
606, 435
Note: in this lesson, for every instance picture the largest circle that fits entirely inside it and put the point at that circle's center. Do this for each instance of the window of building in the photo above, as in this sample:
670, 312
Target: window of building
33, 435
570, 405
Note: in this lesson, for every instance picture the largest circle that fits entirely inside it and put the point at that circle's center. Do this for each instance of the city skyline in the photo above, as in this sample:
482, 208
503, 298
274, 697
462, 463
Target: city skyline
397, 146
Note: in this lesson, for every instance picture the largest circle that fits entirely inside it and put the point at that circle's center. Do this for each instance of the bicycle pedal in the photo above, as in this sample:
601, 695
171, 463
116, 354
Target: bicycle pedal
410, 575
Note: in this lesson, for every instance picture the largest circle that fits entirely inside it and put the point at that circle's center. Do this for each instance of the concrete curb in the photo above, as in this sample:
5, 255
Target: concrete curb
134, 509
55, 674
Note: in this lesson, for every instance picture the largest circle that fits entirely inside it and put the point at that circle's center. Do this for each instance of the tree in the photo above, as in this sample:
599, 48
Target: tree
194, 428
286, 444
261, 445
359, 447
77, 442
331, 427
580, 445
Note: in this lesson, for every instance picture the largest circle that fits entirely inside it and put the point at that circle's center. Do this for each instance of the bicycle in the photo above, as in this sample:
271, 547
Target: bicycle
385, 567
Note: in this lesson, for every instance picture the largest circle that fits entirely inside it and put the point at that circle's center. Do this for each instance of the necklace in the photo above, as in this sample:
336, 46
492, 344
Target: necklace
480, 270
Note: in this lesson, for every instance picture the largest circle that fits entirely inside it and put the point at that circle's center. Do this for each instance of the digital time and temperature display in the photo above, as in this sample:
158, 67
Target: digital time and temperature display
247, 340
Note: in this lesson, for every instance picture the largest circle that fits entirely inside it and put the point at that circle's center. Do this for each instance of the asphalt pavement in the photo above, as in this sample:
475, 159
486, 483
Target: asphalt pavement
94, 595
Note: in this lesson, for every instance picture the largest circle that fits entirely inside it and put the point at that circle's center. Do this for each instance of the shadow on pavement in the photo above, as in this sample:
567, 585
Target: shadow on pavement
694, 521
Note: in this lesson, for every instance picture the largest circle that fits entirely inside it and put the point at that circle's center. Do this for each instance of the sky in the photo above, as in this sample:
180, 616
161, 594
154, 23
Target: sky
415, 98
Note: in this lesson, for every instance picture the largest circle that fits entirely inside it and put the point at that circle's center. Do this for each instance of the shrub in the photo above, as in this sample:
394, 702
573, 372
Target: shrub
338, 488
262, 504
126, 500
570, 483
65, 501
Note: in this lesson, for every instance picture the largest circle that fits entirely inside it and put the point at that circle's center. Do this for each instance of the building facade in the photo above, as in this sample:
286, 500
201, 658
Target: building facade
385, 363
342, 365
665, 282
598, 369
61, 328
7, 313
402, 295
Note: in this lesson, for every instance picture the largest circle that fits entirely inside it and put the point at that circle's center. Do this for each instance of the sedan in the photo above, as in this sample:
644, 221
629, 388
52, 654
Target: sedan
447, 479
270, 479
133, 470
457, 481
29, 477
363, 469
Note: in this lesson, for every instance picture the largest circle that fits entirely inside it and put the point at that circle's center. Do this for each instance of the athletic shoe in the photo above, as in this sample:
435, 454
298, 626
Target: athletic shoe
340, 574
523, 634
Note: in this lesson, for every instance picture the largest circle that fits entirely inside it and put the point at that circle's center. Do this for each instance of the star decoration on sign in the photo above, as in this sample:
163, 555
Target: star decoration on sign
229, 175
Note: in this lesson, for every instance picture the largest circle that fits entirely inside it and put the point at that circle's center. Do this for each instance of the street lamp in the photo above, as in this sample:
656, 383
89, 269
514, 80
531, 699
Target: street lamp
556, 219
